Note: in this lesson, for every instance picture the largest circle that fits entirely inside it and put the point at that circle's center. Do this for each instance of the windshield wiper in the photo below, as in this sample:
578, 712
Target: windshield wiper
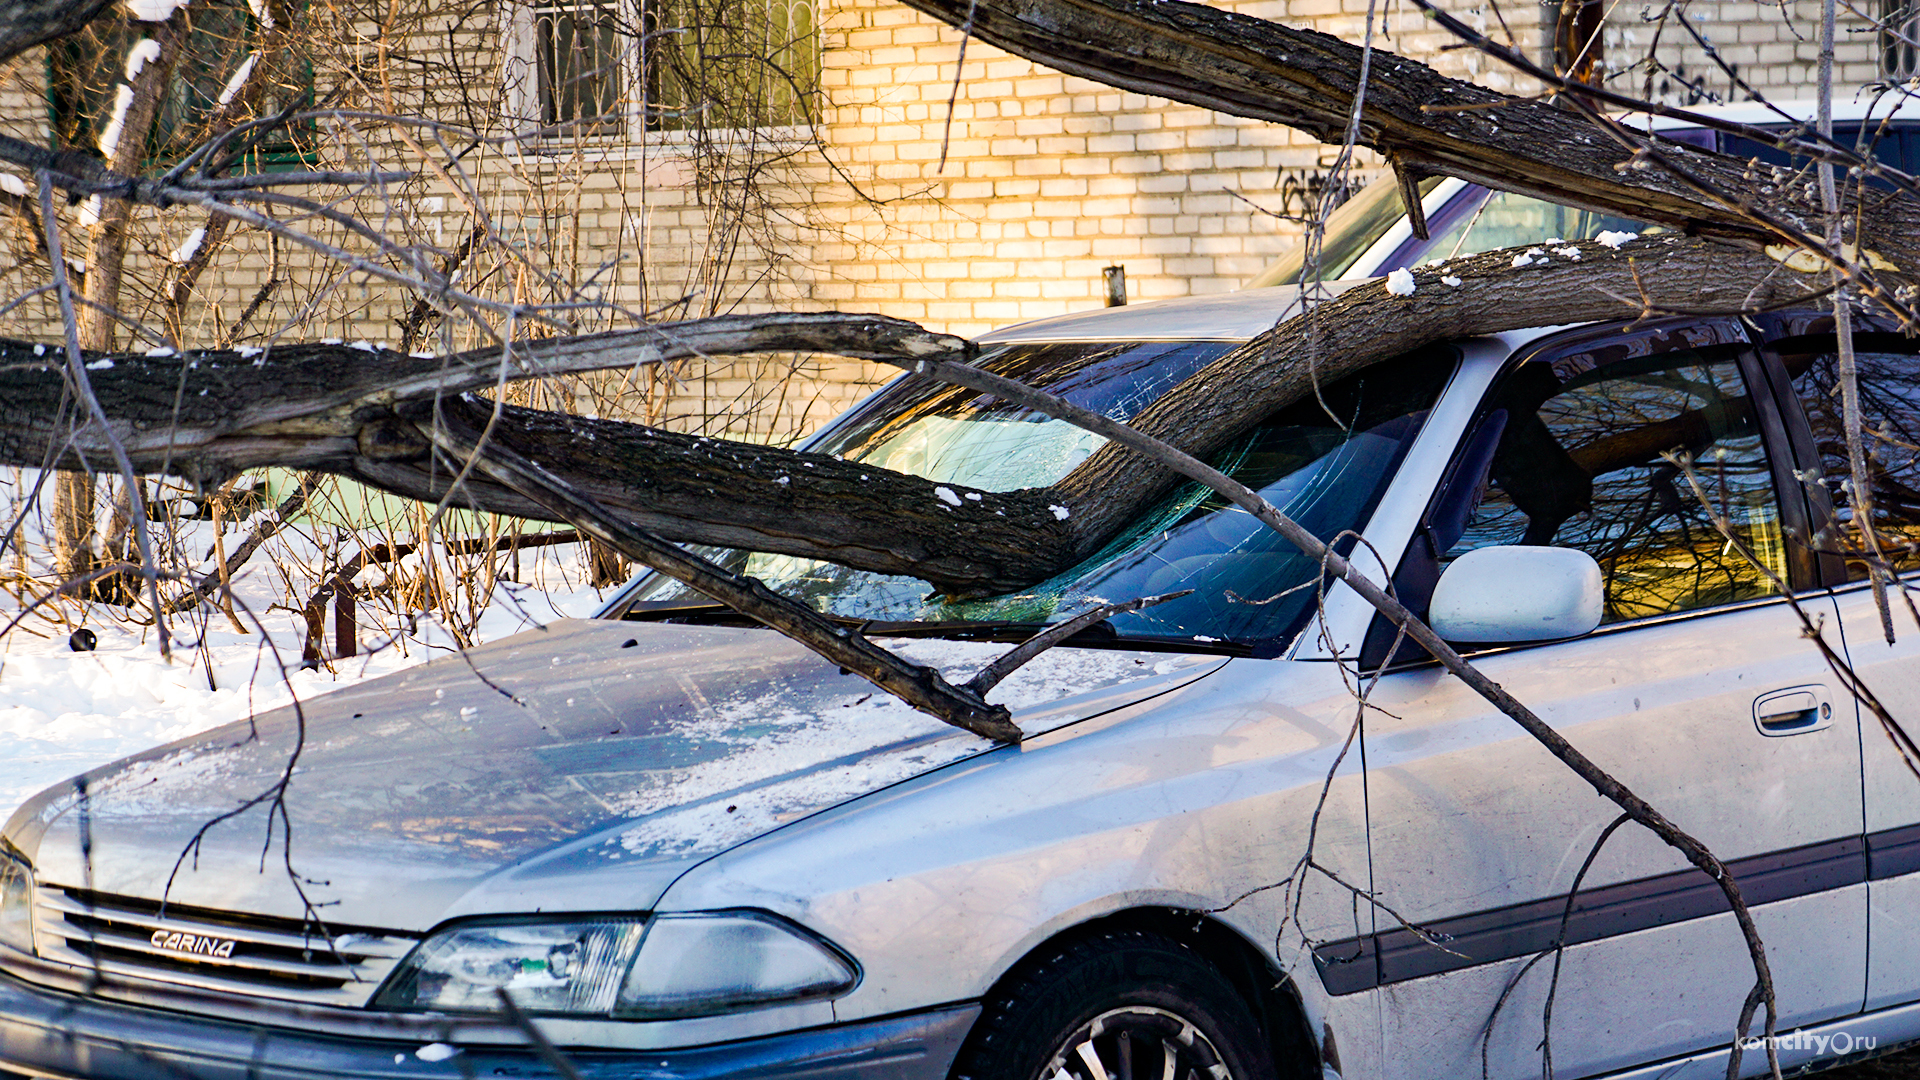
1100, 635
708, 613
963, 629
702, 613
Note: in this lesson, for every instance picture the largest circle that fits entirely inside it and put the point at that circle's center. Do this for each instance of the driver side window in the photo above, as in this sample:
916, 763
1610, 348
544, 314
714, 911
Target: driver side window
1594, 454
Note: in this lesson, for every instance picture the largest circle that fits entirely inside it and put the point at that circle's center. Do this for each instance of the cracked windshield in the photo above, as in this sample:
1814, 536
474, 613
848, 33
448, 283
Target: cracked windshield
1324, 461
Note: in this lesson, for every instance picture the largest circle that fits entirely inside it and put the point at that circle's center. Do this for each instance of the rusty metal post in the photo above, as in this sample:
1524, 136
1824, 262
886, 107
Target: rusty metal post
346, 638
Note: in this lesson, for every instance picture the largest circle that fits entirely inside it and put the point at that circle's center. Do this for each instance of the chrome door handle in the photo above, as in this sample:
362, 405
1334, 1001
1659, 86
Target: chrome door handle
1793, 711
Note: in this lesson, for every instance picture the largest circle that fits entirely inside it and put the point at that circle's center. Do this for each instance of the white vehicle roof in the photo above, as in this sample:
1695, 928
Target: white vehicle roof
1753, 112
1236, 316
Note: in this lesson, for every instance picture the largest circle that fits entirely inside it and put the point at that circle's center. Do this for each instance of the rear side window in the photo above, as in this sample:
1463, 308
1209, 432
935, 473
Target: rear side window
1579, 464
1888, 374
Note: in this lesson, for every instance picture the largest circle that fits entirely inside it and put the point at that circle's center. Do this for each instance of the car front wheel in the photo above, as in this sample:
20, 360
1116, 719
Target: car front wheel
1124, 1005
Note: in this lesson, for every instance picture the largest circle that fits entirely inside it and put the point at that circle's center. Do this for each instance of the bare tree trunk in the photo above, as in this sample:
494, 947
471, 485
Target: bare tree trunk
606, 566
75, 495
73, 525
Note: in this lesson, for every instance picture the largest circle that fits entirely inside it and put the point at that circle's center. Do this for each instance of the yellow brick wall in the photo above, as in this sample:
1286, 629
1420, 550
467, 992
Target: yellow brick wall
1772, 47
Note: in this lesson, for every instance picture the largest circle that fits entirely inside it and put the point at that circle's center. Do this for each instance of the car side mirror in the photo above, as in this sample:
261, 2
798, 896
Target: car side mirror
1510, 595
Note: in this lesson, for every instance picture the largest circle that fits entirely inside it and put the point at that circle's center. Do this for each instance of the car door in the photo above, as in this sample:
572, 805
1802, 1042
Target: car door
1802, 354
1698, 692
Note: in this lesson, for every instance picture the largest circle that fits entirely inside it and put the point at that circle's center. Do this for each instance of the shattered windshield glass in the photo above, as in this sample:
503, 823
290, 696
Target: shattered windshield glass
1324, 461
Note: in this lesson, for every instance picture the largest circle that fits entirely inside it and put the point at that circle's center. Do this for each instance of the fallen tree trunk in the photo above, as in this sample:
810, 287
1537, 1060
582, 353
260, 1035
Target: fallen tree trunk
351, 411
367, 415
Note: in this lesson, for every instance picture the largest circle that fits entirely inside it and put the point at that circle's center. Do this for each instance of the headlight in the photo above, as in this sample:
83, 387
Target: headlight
671, 966
16, 902
552, 968
694, 965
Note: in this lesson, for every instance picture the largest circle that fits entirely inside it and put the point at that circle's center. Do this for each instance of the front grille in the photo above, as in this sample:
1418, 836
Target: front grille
215, 950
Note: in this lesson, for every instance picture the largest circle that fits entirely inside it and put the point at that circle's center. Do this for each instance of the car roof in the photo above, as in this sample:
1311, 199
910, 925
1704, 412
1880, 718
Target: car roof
1235, 316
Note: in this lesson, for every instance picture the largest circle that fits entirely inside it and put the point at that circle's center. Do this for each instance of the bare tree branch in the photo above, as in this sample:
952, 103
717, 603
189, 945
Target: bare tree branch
1010, 661
921, 687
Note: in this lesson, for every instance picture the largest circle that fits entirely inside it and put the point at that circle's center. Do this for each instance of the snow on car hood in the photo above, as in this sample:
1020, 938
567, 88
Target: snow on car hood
583, 765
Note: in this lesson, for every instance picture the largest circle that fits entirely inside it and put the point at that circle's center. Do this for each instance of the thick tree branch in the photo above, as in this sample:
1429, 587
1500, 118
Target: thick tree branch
1497, 291
352, 412
921, 687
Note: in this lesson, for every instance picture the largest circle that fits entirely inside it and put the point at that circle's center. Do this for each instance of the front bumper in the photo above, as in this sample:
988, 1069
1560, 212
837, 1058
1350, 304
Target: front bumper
45, 1033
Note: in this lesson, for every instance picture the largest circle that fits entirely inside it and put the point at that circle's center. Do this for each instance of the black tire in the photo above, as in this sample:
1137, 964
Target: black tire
1132, 1000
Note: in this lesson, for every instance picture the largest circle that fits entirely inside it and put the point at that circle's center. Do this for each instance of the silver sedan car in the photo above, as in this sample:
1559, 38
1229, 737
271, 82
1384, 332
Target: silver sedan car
663, 843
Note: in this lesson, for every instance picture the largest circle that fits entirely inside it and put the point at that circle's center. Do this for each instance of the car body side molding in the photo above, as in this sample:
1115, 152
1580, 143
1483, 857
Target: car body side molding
1504, 933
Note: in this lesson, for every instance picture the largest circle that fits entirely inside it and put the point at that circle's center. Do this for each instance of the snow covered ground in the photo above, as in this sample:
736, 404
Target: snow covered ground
63, 712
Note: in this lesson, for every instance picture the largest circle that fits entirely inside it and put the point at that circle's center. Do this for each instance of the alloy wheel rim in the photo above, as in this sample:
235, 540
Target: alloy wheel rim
1137, 1042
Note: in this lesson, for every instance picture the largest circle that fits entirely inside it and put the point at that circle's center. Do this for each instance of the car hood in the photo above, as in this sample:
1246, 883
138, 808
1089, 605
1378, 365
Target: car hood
580, 766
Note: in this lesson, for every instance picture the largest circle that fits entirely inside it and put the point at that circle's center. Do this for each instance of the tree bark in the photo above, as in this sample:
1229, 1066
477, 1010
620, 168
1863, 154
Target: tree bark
73, 525
26, 23
1366, 325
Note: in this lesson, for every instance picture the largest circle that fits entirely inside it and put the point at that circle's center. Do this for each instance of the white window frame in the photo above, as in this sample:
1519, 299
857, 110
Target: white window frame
525, 110
630, 137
